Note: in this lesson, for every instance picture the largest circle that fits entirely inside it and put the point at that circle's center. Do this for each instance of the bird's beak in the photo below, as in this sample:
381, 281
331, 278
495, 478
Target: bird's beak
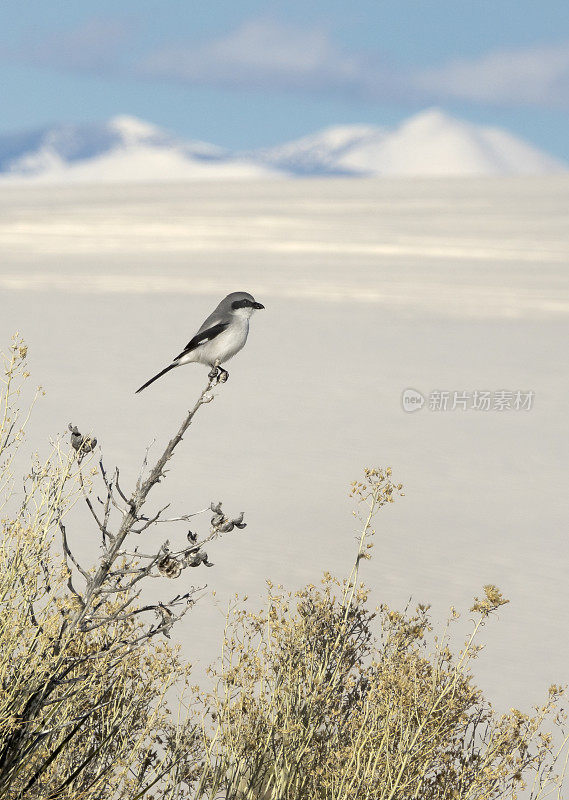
258, 305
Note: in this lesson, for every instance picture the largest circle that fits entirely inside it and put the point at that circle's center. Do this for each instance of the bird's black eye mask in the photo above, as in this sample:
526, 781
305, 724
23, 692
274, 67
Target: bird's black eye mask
244, 303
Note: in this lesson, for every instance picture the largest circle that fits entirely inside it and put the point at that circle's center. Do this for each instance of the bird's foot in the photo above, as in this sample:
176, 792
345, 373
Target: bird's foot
218, 375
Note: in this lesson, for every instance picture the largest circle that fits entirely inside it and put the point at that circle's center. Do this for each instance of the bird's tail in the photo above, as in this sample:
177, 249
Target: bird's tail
155, 378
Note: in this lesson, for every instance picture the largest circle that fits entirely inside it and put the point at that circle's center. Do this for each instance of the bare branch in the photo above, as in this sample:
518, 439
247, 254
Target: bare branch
68, 553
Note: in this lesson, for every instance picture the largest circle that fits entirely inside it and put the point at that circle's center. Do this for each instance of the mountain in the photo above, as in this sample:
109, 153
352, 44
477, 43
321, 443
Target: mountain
122, 149
127, 149
431, 143
324, 153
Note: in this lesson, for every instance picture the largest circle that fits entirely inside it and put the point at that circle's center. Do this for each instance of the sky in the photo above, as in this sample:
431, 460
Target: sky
248, 74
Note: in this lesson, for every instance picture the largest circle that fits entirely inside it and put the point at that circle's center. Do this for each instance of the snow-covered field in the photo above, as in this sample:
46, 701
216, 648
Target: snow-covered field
370, 287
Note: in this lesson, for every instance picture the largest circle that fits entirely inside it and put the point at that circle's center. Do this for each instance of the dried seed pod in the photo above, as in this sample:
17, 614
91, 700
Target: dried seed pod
222, 524
197, 558
81, 444
238, 521
169, 567
166, 619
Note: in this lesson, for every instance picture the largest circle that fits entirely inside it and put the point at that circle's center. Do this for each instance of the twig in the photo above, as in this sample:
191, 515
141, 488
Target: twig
135, 503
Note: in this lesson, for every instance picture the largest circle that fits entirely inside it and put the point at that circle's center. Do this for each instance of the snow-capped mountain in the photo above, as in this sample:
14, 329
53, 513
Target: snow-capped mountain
434, 143
430, 143
125, 149
122, 149
322, 153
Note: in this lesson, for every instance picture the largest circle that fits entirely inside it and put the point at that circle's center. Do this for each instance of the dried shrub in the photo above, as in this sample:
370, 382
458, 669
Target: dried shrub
84, 667
318, 697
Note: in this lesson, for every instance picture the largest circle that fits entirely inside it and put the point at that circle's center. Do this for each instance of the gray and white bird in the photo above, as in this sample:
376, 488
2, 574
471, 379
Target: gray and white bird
221, 336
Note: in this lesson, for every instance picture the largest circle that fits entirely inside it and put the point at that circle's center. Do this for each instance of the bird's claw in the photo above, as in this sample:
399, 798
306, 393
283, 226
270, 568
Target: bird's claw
218, 375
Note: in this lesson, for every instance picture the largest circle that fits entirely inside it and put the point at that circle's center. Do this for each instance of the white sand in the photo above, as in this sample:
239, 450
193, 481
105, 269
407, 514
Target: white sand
370, 287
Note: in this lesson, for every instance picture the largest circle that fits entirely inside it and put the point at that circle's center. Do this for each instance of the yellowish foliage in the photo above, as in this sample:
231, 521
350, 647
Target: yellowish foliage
320, 698
83, 710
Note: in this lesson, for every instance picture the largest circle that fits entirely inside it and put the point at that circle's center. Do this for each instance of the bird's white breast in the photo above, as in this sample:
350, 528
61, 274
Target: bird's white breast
226, 345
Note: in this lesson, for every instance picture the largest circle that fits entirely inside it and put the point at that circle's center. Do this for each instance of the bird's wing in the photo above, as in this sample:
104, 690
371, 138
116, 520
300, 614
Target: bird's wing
202, 337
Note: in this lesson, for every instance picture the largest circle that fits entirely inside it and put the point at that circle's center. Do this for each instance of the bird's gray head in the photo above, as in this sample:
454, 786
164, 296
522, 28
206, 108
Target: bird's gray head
241, 304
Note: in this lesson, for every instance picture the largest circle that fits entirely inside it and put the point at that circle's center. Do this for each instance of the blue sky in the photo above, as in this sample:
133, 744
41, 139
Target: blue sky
242, 73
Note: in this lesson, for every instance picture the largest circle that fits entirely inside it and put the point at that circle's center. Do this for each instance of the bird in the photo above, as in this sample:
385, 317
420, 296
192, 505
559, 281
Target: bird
222, 335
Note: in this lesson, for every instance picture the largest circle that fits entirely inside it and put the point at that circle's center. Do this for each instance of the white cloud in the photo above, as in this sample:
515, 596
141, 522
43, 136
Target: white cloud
274, 56
266, 54
534, 76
